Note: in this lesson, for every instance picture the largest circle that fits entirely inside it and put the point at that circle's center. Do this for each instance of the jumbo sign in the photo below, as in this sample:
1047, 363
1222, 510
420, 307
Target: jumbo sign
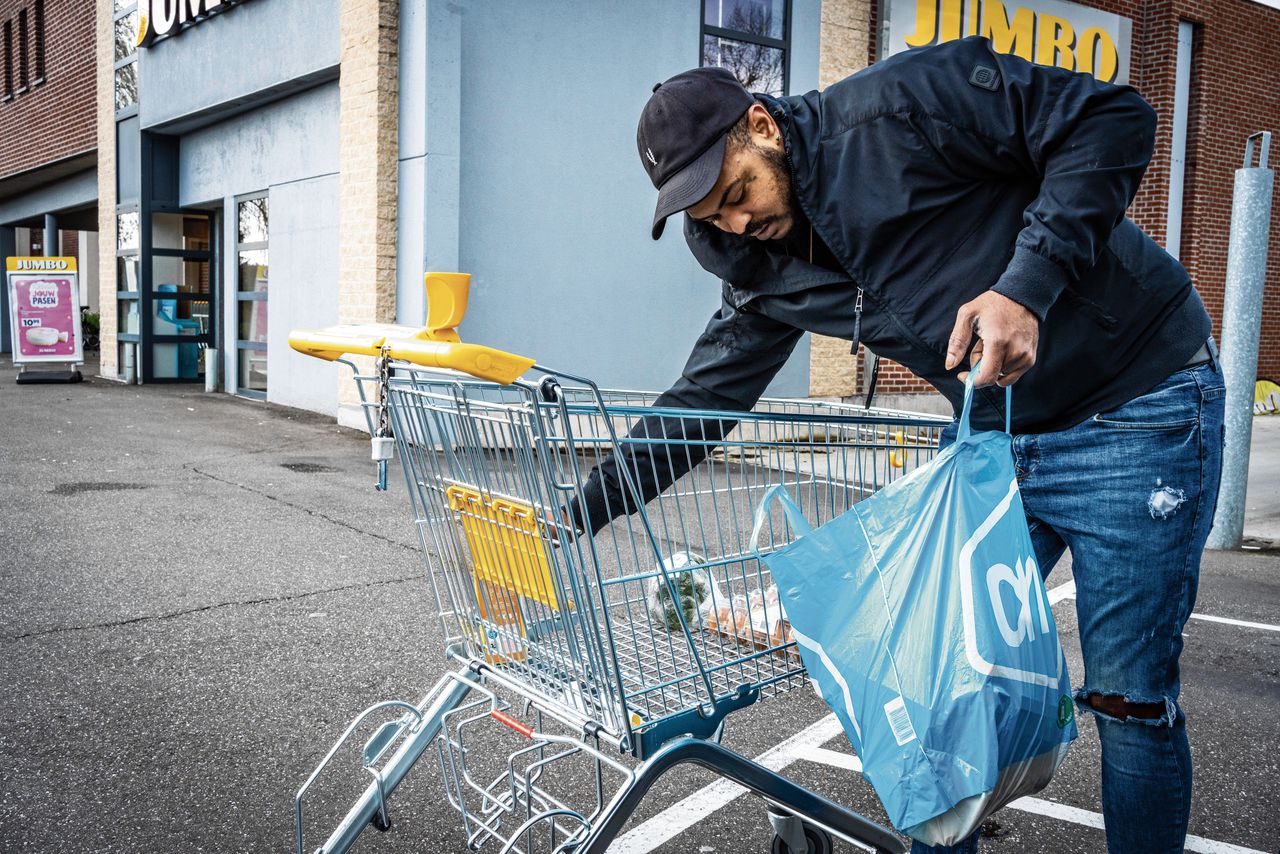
1047, 32
158, 18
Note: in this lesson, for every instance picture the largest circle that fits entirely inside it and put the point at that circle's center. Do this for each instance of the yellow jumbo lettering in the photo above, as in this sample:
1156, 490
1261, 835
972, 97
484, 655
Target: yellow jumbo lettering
1096, 54
949, 21
926, 23
1014, 37
930, 22
1055, 36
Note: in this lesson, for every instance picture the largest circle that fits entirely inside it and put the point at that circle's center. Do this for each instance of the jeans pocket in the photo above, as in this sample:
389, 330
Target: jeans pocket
1172, 405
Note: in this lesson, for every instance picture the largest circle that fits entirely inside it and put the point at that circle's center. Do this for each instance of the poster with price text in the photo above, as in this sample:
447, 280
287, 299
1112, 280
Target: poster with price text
44, 299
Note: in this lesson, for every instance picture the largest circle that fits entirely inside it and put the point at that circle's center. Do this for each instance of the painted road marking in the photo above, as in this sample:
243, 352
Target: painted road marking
1062, 591
1231, 622
1068, 591
1037, 806
684, 814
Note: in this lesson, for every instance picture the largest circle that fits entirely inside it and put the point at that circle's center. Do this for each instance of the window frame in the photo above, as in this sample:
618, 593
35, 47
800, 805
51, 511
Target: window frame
239, 296
783, 44
124, 11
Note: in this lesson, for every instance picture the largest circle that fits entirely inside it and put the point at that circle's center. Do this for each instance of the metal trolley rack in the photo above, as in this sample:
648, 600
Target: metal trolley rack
616, 657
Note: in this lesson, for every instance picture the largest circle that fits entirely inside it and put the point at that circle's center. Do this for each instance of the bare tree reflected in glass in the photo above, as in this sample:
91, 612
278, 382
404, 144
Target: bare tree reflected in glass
757, 67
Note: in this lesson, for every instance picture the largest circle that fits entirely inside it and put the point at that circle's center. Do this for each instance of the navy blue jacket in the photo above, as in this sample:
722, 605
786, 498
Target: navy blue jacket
928, 181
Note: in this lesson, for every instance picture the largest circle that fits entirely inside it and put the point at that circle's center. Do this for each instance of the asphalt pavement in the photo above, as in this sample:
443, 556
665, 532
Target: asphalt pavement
198, 592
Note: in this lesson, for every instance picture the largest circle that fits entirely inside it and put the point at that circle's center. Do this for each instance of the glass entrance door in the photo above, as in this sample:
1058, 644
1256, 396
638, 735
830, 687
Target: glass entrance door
251, 296
178, 304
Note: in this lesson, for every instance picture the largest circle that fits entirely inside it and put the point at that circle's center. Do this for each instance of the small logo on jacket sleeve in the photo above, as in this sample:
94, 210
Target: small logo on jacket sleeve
985, 77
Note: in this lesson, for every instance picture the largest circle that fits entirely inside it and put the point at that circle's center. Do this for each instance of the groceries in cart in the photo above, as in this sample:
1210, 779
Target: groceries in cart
694, 592
757, 619
921, 614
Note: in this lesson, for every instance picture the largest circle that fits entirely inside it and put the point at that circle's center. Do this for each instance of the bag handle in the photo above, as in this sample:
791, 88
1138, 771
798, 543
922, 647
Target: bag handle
963, 432
789, 506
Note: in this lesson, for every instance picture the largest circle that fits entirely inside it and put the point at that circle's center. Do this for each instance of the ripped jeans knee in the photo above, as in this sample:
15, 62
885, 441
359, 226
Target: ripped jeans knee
1120, 708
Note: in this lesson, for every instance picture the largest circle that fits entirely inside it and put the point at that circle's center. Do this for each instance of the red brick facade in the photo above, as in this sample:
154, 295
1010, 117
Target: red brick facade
1234, 92
54, 117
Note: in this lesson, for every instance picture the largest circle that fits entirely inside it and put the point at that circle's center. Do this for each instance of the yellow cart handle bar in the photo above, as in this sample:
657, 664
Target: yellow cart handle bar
437, 345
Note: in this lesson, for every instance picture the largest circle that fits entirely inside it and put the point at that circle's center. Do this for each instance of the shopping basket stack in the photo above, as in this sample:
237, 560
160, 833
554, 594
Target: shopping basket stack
616, 656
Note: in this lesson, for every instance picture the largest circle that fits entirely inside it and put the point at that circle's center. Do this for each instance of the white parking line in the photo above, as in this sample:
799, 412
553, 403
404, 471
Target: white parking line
684, 814
1062, 591
1230, 622
1068, 591
1037, 806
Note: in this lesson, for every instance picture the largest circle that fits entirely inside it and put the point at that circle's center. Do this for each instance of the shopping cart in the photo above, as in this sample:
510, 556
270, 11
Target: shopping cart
612, 658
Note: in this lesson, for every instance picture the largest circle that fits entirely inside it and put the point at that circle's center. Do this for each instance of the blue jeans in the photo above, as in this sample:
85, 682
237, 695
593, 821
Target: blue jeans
1131, 492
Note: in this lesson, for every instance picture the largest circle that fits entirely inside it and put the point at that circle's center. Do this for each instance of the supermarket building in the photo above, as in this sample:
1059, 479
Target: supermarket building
228, 171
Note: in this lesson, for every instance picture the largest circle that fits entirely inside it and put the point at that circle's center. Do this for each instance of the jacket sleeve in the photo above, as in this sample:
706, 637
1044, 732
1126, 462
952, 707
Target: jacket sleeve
1086, 142
732, 363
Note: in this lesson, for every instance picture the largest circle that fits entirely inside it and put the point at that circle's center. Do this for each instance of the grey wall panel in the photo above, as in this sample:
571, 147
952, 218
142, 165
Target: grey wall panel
252, 47
288, 140
554, 208
76, 191
303, 291
128, 161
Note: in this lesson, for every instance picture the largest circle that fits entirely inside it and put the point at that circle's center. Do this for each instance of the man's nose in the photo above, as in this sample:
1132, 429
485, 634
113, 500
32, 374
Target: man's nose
738, 222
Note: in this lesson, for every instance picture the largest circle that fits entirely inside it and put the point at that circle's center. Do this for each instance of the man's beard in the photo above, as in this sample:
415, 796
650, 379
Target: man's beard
776, 164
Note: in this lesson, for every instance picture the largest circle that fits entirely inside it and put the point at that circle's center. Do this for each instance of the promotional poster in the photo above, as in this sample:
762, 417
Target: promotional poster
45, 296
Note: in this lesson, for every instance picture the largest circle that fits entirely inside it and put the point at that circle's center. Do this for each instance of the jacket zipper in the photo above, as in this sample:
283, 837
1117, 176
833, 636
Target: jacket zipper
857, 303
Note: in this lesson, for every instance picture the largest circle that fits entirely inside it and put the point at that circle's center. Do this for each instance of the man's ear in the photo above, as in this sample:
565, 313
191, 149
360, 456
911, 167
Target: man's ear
763, 127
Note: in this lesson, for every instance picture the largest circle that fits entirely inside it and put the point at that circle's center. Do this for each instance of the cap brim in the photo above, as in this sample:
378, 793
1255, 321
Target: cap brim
690, 185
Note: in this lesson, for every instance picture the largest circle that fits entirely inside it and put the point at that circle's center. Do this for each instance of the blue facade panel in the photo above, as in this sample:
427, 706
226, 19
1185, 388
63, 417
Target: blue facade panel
530, 114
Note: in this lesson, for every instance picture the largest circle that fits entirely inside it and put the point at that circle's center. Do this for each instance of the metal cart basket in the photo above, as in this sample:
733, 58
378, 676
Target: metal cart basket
613, 657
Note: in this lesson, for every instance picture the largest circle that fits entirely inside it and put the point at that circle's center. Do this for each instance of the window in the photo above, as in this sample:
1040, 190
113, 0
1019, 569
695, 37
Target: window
22, 50
751, 38
125, 54
39, 16
128, 321
251, 296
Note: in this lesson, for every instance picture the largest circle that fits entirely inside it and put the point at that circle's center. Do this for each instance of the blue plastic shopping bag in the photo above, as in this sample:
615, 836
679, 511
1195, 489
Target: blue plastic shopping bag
921, 616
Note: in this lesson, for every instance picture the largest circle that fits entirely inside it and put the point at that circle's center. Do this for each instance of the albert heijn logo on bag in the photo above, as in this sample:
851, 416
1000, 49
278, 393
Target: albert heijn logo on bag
999, 577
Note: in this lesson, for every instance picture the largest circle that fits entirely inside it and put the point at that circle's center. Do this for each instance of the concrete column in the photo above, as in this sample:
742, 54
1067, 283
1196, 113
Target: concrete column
846, 26
108, 363
8, 247
368, 118
50, 235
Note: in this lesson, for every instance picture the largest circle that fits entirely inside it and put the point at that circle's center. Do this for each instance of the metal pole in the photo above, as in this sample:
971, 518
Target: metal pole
1241, 322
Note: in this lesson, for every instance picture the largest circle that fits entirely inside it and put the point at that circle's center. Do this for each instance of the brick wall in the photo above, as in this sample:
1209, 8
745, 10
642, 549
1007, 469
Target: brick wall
53, 119
368, 120
845, 35
1233, 93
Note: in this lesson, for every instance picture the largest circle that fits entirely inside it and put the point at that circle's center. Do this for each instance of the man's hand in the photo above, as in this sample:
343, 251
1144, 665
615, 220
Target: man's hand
1007, 333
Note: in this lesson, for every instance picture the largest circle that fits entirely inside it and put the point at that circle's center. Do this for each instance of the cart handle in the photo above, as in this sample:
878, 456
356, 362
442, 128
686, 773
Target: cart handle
436, 345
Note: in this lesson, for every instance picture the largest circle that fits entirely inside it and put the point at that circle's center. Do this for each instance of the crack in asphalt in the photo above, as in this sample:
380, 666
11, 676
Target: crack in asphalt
264, 601
306, 510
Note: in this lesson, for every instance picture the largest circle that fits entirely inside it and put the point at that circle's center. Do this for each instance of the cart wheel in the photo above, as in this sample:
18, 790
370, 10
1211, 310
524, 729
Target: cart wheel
819, 842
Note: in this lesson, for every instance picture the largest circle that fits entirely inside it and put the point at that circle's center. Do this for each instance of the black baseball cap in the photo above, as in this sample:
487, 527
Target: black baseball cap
681, 136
